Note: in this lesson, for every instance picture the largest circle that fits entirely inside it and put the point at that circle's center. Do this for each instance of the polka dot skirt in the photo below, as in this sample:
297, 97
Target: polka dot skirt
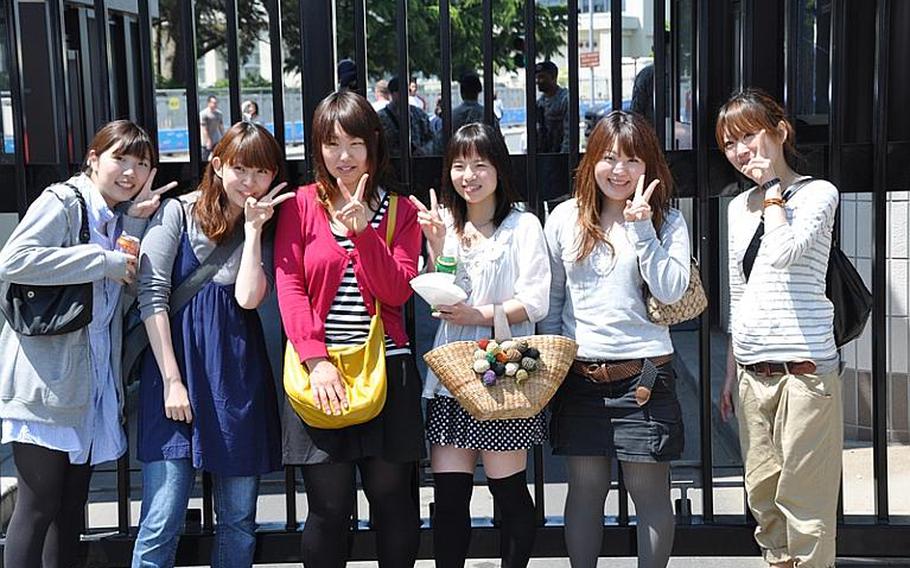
448, 424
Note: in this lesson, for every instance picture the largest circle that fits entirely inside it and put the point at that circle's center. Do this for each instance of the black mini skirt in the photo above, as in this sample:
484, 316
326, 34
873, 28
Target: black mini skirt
604, 419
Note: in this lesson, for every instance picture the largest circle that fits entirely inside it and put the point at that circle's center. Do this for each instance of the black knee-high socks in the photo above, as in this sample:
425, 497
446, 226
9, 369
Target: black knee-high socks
452, 518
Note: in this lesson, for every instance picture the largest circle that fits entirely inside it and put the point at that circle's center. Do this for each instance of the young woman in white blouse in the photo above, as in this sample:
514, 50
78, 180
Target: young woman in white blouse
783, 362
608, 244
502, 264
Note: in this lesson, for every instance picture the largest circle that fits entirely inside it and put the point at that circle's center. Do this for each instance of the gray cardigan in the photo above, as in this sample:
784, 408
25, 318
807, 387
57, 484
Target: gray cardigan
48, 378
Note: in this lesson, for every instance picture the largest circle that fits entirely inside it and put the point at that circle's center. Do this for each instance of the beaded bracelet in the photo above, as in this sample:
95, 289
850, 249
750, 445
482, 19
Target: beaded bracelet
779, 201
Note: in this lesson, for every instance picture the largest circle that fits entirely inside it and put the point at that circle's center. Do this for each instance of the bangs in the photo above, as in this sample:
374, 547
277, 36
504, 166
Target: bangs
739, 118
136, 144
472, 140
252, 148
350, 117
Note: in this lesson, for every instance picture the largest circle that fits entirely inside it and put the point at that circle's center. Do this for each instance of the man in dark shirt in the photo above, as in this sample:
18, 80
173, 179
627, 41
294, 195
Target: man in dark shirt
552, 110
421, 134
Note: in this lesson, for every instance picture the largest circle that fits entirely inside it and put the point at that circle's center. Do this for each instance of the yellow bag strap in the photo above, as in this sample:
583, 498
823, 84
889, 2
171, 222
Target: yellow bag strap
391, 215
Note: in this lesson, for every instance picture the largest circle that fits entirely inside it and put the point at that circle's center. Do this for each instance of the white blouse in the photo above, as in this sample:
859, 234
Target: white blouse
511, 264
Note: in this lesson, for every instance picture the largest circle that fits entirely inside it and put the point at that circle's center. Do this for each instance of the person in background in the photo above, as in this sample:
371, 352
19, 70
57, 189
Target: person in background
502, 263
552, 110
608, 245
61, 396
414, 96
211, 123
332, 264
250, 110
347, 74
782, 364
207, 399
421, 133
382, 95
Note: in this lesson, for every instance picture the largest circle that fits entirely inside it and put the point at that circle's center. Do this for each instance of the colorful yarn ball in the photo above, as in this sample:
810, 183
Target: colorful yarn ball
507, 344
529, 364
513, 354
481, 366
492, 346
480, 354
532, 353
521, 345
501, 357
521, 376
491, 358
511, 369
483, 343
489, 378
498, 368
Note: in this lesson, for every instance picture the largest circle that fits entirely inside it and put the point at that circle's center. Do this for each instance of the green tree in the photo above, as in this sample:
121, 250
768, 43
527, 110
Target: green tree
423, 35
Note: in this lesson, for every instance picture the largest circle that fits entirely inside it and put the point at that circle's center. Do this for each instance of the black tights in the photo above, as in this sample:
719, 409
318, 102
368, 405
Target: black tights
50, 509
389, 487
452, 518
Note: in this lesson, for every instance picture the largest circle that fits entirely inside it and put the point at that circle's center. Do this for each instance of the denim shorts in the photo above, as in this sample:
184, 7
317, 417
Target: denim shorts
603, 419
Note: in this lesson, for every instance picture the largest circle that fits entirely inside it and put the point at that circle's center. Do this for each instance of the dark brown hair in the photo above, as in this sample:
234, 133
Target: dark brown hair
247, 144
480, 140
128, 137
356, 116
634, 136
749, 111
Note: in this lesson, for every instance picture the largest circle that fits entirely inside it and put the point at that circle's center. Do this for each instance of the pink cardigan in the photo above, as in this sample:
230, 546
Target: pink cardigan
309, 265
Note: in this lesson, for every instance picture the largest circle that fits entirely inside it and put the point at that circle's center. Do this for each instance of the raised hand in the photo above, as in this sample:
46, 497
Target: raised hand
257, 212
430, 222
147, 200
353, 215
759, 168
638, 208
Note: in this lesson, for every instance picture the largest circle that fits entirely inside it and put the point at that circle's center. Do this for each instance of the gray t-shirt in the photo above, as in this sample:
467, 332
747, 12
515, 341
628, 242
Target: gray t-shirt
213, 123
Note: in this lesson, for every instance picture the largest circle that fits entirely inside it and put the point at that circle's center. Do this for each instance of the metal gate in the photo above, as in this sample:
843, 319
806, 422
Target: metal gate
839, 65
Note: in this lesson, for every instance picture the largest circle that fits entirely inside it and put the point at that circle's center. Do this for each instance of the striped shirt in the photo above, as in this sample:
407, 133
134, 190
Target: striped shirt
782, 313
348, 321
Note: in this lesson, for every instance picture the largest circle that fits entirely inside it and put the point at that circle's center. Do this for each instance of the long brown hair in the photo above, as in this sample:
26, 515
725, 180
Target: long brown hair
245, 143
356, 116
750, 110
481, 140
632, 135
132, 140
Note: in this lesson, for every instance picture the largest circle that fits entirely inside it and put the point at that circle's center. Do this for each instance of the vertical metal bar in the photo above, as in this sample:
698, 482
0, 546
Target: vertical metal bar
701, 124
149, 114
290, 498
316, 27
488, 61
791, 47
660, 67
748, 10
360, 44
123, 494
233, 58
531, 100
208, 515
879, 261
615, 53
445, 72
404, 115
623, 496
273, 7
539, 481
103, 109
61, 88
129, 70
574, 136
17, 93
192, 86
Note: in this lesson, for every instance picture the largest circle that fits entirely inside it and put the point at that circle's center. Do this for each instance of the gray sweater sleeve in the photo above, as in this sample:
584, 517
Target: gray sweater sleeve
156, 259
38, 253
664, 261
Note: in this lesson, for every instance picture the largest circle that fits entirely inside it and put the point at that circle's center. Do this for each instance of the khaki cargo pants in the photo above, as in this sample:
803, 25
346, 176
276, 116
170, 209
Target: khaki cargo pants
791, 433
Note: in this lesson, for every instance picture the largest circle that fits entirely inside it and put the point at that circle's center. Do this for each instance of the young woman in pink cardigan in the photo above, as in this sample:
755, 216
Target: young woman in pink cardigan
331, 263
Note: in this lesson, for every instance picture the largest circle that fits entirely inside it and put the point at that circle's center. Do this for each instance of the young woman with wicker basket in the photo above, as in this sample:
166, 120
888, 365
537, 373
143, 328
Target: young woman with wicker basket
332, 263
782, 367
502, 265
611, 243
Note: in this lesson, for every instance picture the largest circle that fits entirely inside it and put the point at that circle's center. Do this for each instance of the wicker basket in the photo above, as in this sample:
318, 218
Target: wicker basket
692, 304
452, 363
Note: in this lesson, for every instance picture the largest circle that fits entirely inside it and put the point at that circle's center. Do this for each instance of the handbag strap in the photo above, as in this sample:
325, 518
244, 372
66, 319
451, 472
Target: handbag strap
391, 215
84, 234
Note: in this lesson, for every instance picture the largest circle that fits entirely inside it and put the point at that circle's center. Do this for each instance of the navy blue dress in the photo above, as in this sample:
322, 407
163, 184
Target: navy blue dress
221, 353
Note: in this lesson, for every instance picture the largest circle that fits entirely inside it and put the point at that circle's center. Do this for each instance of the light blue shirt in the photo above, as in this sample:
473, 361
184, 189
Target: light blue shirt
100, 437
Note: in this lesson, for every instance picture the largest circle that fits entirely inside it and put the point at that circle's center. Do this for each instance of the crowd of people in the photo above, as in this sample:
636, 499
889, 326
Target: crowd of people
341, 250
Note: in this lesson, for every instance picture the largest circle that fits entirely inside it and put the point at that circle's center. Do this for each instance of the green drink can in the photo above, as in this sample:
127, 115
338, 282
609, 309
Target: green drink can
446, 264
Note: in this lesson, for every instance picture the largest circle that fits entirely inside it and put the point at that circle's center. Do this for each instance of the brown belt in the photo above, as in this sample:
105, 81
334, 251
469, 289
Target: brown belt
768, 369
610, 371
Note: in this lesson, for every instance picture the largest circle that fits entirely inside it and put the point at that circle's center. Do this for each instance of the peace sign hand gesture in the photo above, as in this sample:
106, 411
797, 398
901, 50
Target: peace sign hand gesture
433, 227
354, 213
759, 167
257, 212
638, 208
147, 200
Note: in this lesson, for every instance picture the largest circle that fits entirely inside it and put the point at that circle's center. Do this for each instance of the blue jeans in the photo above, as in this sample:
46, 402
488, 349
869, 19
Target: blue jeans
166, 487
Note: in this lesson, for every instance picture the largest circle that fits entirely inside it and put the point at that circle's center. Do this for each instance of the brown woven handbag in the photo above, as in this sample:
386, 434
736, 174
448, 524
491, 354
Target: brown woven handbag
690, 306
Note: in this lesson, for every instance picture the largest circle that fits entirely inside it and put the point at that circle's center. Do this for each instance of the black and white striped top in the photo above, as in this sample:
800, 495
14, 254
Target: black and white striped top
348, 321
782, 312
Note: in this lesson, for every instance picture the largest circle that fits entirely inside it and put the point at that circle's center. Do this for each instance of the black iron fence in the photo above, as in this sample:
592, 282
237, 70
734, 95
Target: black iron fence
839, 65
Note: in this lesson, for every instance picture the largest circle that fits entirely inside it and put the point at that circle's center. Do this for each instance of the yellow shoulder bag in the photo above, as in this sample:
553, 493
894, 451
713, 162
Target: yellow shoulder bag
361, 367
